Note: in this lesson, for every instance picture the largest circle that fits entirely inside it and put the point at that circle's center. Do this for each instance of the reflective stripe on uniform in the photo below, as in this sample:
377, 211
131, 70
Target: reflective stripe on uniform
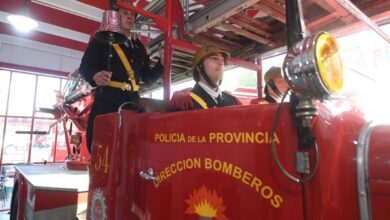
126, 64
120, 85
199, 100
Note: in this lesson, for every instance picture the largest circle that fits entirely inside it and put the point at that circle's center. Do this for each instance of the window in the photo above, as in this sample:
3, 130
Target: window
239, 78
159, 94
61, 150
4, 85
47, 89
43, 144
2, 119
16, 145
22, 93
63, 85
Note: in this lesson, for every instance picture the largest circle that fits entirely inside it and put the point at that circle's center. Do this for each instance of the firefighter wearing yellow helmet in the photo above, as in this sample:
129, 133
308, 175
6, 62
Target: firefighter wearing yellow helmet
209, 65
275, 85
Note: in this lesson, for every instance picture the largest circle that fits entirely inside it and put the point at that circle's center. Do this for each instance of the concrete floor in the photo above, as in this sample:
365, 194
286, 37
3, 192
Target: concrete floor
5, 216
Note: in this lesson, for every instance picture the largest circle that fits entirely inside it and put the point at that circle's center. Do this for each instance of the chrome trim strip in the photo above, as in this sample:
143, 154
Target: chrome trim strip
362, 171
120, 111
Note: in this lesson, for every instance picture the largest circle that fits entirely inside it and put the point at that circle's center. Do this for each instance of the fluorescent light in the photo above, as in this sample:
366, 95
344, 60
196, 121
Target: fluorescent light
22, 23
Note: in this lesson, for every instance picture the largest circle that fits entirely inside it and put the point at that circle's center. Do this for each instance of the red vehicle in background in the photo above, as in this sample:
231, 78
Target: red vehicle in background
313, 157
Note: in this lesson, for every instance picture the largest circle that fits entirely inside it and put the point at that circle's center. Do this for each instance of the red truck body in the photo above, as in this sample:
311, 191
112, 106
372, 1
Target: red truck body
218, 164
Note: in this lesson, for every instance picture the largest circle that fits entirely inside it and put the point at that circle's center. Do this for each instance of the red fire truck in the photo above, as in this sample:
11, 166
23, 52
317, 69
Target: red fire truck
313, 157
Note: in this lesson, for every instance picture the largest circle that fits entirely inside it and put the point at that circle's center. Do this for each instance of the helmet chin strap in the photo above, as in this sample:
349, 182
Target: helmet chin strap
207, 78
275, 88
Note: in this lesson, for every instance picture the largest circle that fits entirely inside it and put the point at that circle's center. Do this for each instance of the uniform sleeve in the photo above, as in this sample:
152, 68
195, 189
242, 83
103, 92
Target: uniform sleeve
238, 102
92, 61
149, 74
181, 100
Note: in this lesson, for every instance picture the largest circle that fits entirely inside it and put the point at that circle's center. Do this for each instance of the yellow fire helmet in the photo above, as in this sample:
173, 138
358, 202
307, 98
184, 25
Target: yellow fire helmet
207, 50
272, 73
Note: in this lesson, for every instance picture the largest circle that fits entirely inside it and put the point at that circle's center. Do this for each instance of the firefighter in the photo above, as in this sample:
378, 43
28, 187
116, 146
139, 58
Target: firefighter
120, 84
275, 85
209, 63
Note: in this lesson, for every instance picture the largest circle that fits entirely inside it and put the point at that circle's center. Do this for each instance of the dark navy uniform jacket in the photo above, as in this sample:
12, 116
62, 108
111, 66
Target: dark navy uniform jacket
108, 99
227, 99
95, 59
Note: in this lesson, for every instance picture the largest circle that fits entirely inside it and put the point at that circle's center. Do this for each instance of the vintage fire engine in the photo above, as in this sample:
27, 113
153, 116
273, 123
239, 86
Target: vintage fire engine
313, 157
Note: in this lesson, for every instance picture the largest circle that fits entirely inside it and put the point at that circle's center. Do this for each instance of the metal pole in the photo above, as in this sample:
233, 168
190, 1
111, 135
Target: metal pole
259, 80
187, 9
168, 52
187, 24
55, 143
295, 23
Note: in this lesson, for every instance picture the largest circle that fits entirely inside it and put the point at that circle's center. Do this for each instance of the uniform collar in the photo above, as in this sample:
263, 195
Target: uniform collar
129, 43
214, 94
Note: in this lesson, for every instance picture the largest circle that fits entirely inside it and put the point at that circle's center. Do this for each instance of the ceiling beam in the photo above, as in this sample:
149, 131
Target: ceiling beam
319, 23
247, 34
228, 34
204, 40
272, 12
74, 7
211, 35
254, 21
216, 12
332, 7
248, 26
278, 7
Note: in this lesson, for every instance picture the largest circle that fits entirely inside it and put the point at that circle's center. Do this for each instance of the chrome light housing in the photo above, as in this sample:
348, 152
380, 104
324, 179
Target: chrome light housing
314, 68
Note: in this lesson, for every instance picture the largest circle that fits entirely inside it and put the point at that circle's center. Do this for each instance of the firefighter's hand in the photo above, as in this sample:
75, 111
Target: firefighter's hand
161, 53
101, 78
181, 100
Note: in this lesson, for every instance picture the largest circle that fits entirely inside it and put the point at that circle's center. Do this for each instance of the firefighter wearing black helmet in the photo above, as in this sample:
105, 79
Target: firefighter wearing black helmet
209, 64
